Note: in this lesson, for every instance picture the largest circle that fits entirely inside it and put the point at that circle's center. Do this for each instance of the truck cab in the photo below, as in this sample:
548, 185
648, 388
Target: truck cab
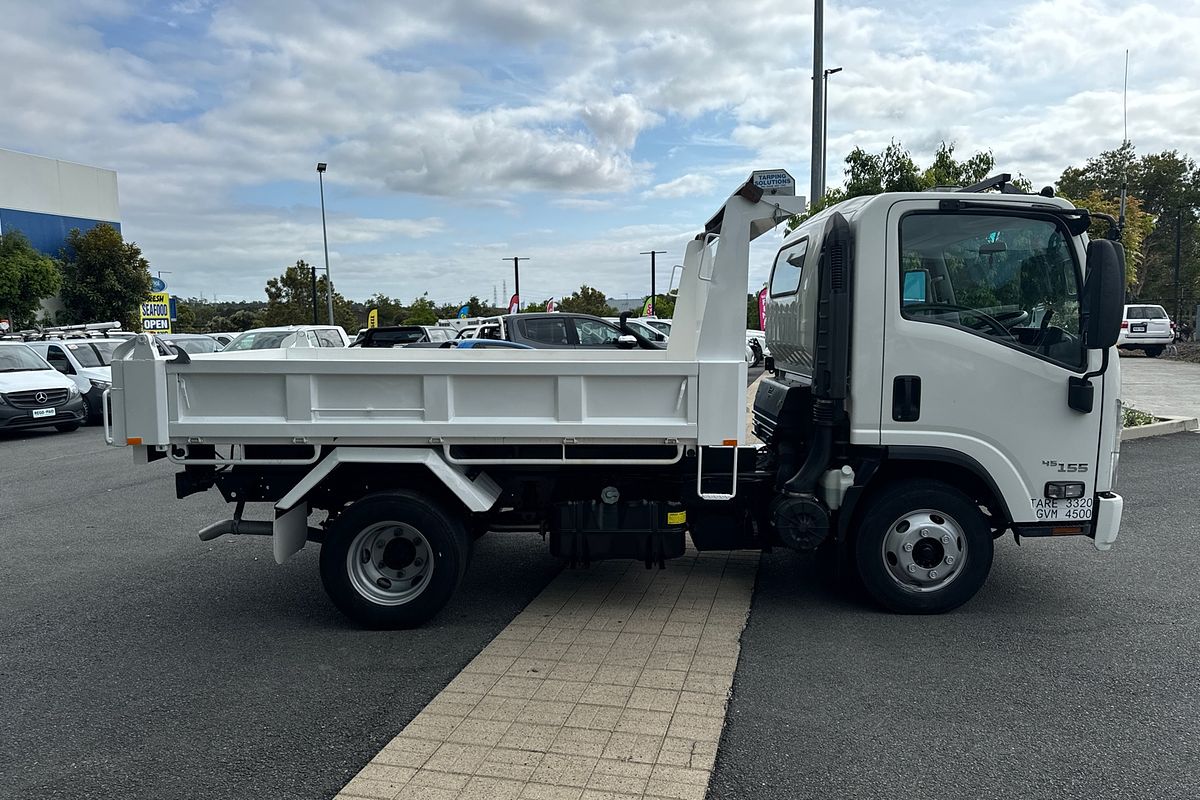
951, 375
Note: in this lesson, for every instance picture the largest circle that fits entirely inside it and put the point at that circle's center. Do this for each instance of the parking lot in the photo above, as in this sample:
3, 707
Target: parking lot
141, 662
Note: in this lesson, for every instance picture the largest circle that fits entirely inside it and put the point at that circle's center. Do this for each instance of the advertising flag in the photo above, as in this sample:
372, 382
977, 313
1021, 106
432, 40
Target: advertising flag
551, 305
648, 308
373, 318
514, 305
463, 312
762, 309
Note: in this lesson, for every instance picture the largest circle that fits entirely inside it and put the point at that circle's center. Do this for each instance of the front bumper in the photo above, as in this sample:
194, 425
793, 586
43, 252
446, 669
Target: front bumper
1107, 521
70, 411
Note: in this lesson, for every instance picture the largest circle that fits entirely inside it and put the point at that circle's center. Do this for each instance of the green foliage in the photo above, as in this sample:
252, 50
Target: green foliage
664, 306
1138, 225
752, 311
588, 301
26, 276
1131, 417
893, 170
104, 278
290, 301
422, 311
1163, 184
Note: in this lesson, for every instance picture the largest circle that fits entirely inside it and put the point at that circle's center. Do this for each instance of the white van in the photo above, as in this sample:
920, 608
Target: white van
86, 363
33, 395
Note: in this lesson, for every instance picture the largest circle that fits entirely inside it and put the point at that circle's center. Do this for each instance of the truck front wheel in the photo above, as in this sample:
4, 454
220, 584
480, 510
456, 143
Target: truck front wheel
924, 547
393, 560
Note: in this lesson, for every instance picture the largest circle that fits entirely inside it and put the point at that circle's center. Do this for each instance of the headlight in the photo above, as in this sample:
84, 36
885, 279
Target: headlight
100, 385
73, 392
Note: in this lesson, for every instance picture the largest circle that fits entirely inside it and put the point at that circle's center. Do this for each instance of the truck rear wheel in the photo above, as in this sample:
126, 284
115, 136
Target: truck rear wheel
393, 560
924, 547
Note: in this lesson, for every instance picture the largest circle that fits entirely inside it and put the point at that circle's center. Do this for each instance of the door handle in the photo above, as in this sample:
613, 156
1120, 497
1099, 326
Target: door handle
906, 398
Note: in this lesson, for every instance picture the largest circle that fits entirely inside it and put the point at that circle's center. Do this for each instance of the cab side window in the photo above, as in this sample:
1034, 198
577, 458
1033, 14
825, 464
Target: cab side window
789, 264
546, 331
328, 338
58, 359
596, 334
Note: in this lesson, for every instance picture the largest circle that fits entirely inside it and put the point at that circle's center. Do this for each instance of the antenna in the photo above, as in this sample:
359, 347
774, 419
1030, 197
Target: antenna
1124, 143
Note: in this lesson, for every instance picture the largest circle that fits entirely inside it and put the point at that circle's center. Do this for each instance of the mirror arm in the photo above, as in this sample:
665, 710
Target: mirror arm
1080, 392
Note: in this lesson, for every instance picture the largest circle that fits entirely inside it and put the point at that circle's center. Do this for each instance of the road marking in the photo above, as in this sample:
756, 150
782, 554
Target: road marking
612, 683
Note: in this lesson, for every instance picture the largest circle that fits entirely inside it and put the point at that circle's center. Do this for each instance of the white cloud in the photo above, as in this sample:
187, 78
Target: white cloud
683, 186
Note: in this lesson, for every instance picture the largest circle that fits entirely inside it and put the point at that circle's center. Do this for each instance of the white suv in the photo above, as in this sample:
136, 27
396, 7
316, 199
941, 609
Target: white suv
288, 336
1146, 328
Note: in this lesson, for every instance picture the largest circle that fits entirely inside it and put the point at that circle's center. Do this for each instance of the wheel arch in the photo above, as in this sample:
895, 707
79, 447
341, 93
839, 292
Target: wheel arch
956, 469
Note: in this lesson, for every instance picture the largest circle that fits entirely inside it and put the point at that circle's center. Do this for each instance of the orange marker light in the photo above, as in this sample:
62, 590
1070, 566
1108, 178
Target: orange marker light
133, 440
731, 442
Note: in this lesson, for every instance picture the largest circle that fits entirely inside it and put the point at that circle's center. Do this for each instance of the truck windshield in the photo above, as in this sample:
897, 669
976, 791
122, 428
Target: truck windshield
1011, 278
19, 358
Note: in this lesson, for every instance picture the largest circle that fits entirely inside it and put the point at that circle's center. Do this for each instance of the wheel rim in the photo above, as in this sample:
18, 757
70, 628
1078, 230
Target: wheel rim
924, 550
390, 563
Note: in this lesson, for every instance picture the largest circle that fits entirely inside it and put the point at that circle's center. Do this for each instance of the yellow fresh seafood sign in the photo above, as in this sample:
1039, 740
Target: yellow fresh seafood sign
156, 313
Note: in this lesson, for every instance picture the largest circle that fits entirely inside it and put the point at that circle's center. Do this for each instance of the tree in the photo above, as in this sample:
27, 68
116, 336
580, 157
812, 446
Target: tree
104, 278
1138, 226
26, 276
290, 300
423, 311
664, 306
1167, 186
390, 311
588, 301
893, 170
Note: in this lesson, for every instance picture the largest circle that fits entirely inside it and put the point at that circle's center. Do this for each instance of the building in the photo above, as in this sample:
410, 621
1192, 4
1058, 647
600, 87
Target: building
45, 198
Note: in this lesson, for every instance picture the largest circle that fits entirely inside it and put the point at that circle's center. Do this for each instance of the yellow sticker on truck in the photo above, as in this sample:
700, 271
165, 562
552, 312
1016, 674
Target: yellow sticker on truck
676, 517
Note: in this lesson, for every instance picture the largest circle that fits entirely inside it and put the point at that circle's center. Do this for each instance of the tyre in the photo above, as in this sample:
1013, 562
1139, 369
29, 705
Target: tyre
67, 427
393, 560
923, 547
89, 414
1154, 351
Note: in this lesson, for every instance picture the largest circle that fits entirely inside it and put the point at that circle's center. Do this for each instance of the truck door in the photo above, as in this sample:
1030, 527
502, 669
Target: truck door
982, 333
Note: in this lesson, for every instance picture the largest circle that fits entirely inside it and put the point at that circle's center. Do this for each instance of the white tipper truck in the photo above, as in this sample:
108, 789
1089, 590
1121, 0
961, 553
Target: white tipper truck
943, 371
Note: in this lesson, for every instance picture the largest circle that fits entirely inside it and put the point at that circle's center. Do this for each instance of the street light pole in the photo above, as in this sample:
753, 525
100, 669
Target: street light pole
817, 182
653, 294
516, 275
1178, 256
825, 125
313, 270
325, 237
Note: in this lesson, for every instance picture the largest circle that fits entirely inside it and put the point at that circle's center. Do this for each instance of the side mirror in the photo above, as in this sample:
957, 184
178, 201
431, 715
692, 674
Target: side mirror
627, 342
1103, 305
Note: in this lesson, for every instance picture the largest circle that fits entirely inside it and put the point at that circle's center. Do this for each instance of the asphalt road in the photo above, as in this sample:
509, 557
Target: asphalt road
1073, 674
137, 661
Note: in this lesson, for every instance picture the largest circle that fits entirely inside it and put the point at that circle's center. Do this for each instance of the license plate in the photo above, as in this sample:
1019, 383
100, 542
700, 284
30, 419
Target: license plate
38, 413
1139, 327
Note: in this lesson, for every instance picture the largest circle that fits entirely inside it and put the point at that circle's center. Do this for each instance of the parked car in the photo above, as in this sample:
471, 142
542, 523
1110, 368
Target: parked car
1146, 328
401, 335
660, 325
579, 331
758, 342
190, 343
33, 394
85, 362
285, 336
222, 338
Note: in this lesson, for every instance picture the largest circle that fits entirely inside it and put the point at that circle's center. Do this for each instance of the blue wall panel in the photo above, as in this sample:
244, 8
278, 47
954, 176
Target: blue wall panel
46, 232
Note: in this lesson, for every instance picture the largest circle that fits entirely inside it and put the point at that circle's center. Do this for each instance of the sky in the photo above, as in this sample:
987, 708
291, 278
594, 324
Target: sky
576, 133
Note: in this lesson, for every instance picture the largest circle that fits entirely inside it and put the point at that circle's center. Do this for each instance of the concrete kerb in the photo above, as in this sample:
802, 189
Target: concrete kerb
1164, 426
